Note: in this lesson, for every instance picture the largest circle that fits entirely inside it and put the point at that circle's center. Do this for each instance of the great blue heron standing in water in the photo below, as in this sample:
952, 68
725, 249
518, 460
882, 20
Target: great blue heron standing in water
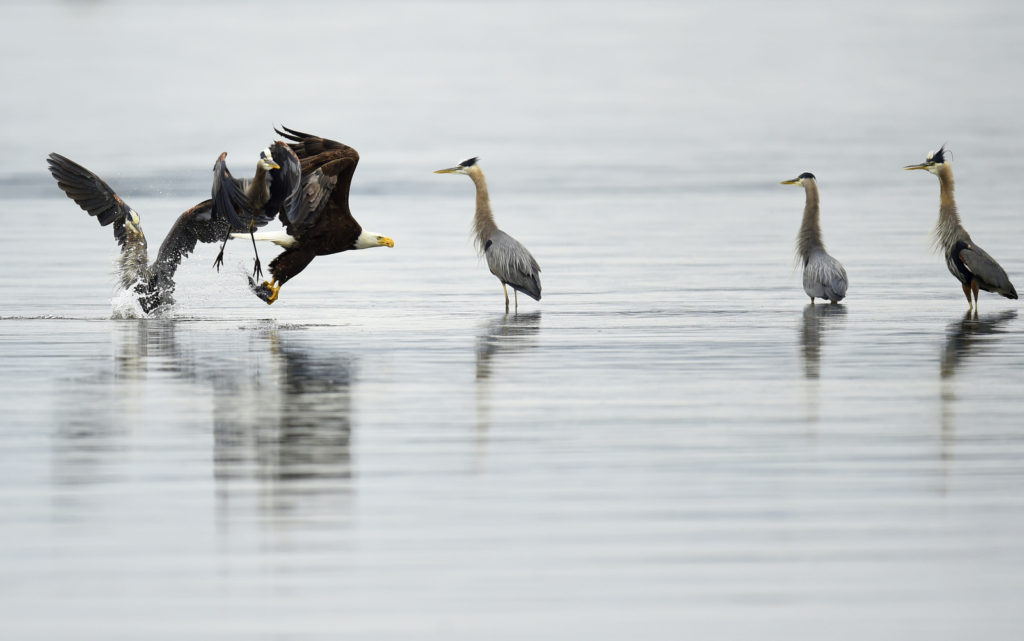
824, 276
970, 264
507, 258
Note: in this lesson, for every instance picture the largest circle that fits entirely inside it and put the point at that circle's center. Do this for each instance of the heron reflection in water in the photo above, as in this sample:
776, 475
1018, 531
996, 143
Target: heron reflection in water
817, 320
965, 337
500, 338
504, 334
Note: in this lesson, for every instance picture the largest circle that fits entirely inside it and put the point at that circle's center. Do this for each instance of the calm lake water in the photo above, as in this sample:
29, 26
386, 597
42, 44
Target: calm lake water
671, 444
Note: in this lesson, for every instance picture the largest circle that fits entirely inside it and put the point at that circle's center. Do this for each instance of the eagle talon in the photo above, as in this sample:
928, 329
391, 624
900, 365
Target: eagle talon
267, 292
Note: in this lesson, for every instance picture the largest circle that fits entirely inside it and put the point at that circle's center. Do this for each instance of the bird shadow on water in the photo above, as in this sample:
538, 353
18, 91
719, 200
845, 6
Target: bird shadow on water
498, 340
817, 322
289, 427
281, 412
966, 339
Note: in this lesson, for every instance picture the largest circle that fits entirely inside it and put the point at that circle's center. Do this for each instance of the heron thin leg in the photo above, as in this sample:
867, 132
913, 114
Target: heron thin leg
967, 293
974, 288
219, 260
812, 300
515, 292
505, 287
257, 269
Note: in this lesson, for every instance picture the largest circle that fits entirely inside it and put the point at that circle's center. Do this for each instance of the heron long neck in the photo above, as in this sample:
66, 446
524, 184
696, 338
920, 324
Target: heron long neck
259, 188
809, 238
483, 221
948, 231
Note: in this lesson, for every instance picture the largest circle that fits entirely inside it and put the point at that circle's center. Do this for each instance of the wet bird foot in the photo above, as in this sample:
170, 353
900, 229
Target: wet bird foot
257, 269
267, 292
219, 260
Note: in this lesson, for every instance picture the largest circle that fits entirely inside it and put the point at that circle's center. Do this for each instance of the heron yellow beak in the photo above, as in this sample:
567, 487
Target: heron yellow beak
450, 170
794, 181
386, 242
923, 165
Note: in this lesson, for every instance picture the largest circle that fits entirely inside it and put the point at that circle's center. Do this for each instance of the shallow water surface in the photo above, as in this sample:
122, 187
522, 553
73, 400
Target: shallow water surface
673, 442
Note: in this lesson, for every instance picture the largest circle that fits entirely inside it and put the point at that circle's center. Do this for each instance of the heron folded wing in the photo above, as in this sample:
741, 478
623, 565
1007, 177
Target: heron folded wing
986, 271
512, 263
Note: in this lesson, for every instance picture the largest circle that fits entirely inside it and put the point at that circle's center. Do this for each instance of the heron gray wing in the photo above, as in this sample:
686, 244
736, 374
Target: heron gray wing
228, 195
512, 263
90, 193
838, 283
986, 271
825, 277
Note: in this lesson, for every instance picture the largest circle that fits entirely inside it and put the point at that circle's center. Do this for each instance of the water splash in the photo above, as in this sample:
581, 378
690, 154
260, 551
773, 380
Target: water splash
124, 305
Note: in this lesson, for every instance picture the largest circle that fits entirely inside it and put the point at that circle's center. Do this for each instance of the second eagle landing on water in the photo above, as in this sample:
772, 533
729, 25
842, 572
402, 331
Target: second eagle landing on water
824, 276
507, 258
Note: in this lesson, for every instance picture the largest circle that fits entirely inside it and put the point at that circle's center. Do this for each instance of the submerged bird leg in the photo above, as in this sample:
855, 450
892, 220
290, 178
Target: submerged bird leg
974, 288
812, 300
515, 292
505, 287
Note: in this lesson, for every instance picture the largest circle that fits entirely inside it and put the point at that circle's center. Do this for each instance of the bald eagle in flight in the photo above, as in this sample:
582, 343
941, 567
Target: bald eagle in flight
318, 221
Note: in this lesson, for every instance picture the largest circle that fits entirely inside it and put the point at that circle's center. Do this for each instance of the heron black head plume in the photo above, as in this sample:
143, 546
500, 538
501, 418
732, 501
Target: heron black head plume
807, 174
939, 156
469, 162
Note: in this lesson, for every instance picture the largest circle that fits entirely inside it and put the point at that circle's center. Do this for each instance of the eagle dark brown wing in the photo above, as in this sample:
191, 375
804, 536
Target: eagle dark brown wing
195, 225
314, 195
321, 214
91, 193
